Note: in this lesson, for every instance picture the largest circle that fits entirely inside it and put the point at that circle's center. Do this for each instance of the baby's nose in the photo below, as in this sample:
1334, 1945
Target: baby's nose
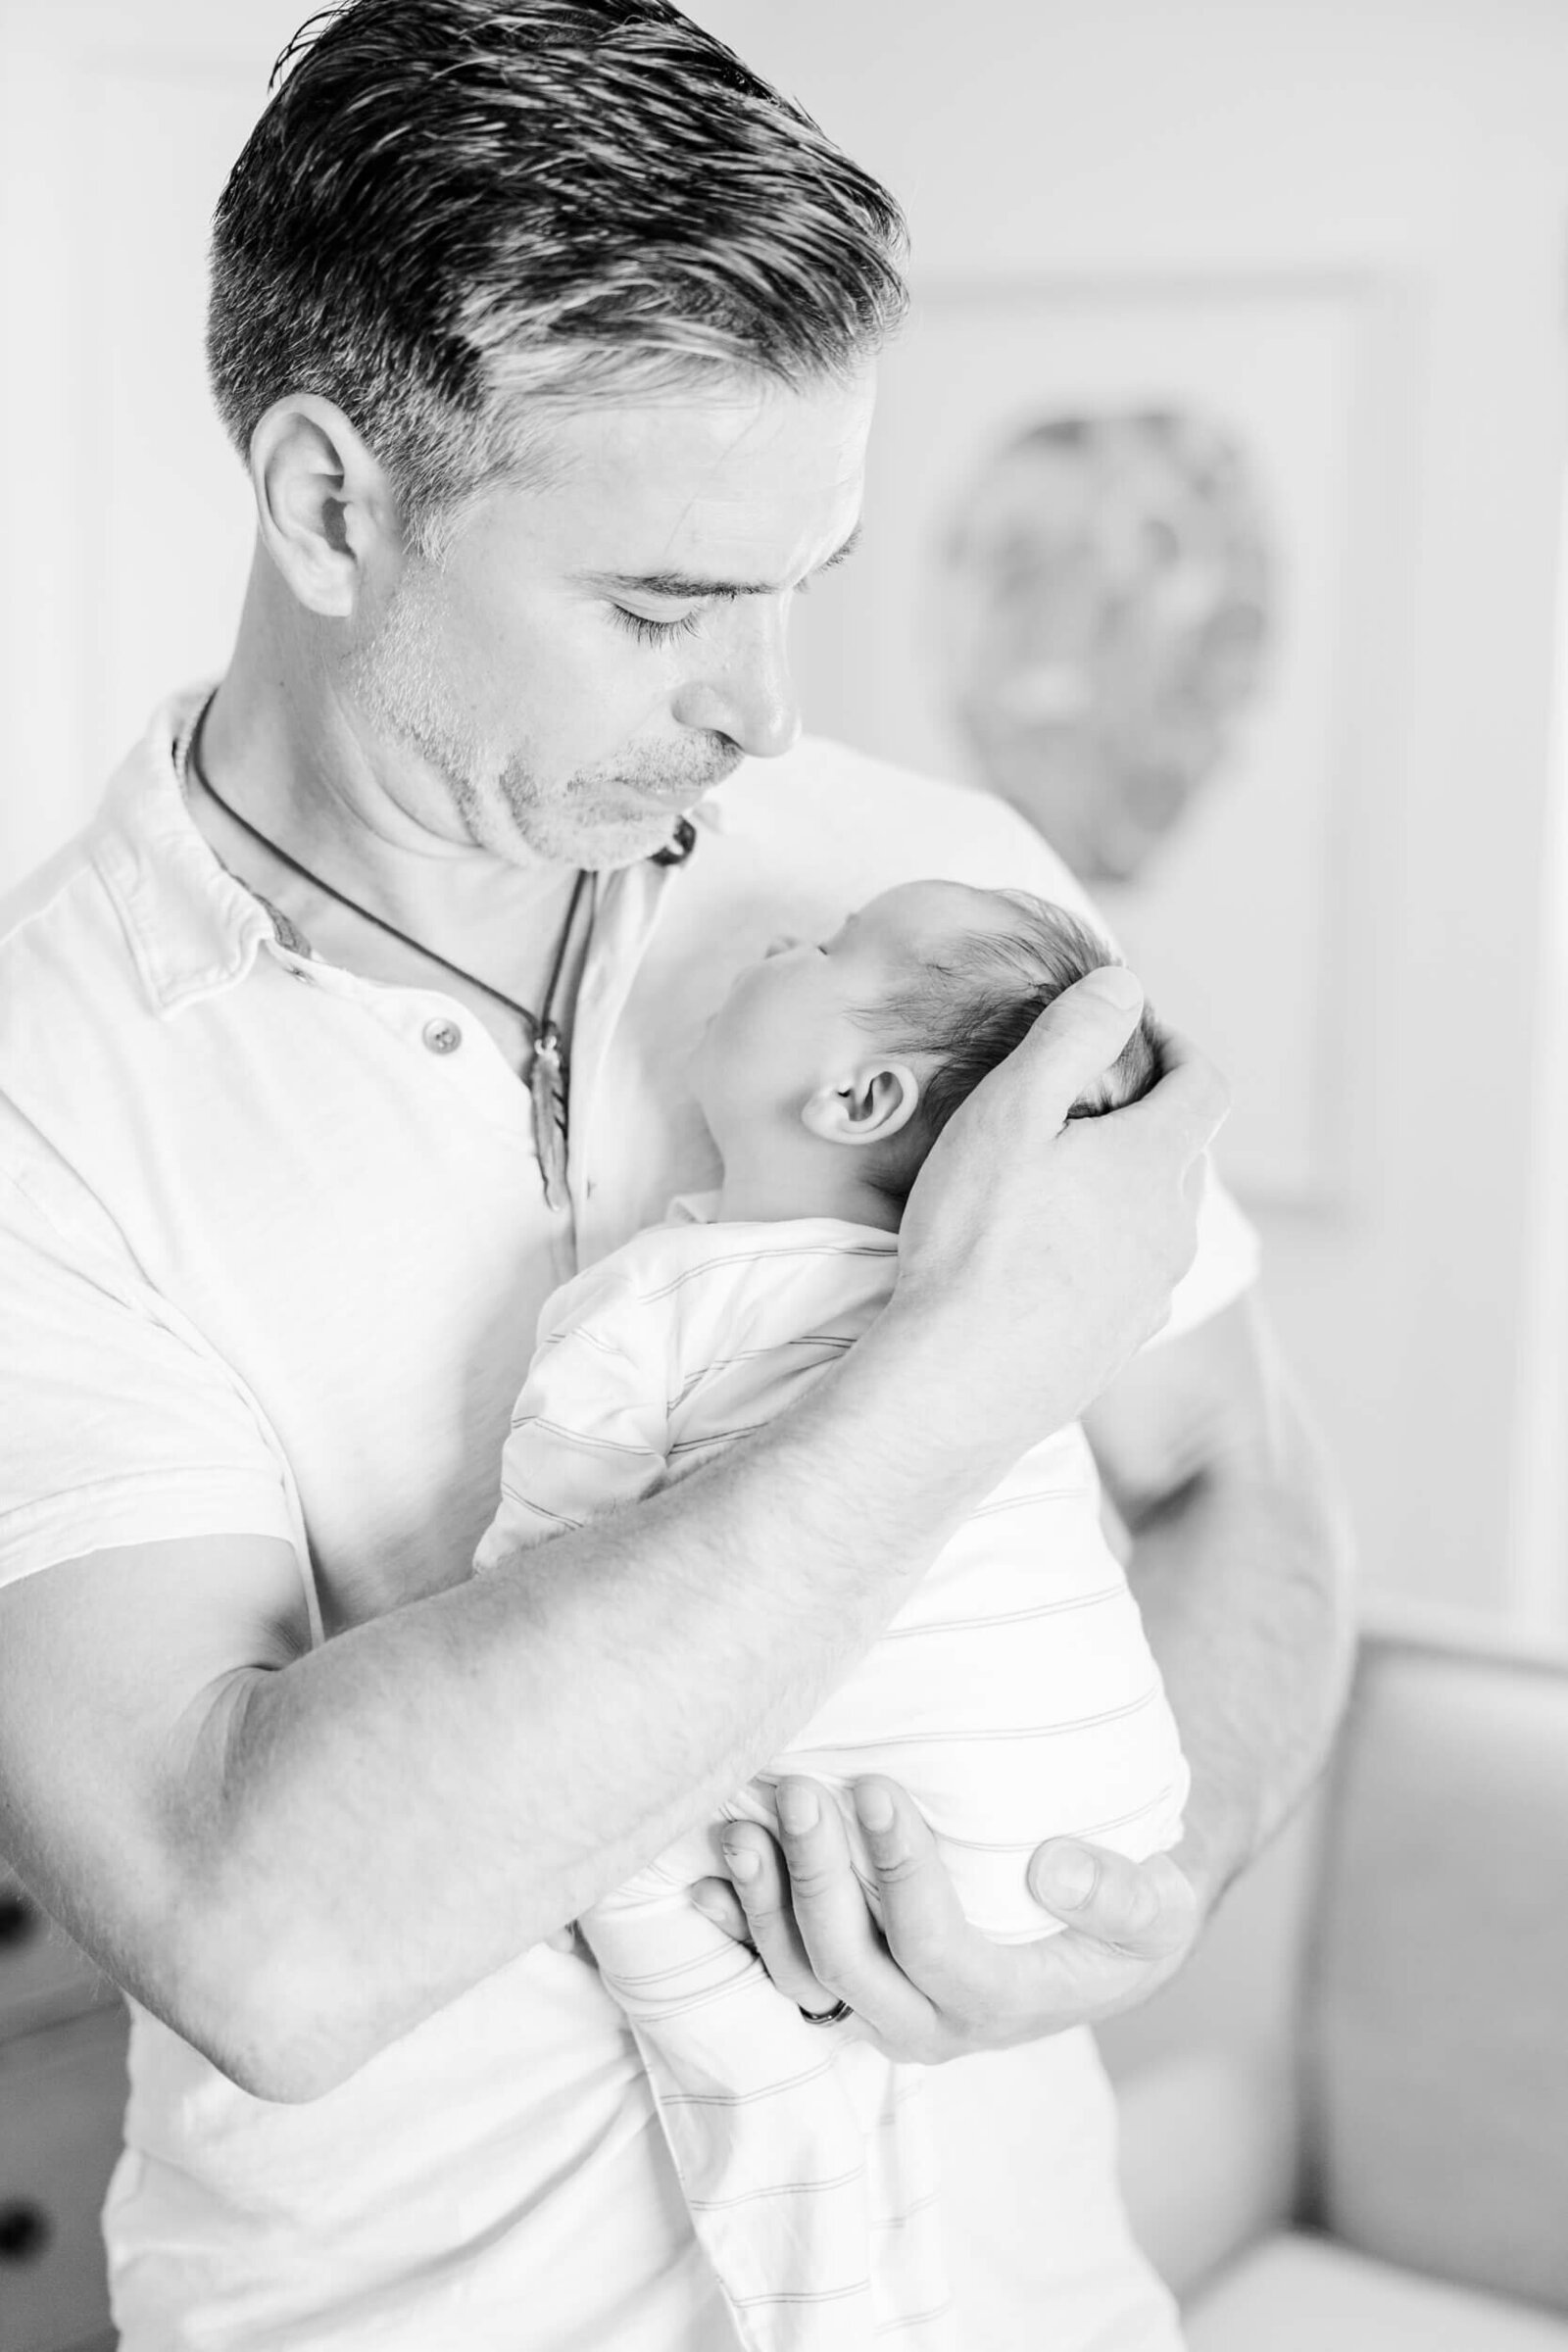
781, 944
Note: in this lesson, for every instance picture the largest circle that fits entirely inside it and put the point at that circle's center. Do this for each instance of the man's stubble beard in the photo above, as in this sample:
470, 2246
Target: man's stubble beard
397, 678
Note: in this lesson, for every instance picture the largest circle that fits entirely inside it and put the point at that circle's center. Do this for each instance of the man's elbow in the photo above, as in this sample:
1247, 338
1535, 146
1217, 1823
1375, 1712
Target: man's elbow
291, 2011
278, 2021
284, 2061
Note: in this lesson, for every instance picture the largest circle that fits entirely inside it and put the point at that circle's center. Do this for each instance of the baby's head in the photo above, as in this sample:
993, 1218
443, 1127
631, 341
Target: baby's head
838, 1062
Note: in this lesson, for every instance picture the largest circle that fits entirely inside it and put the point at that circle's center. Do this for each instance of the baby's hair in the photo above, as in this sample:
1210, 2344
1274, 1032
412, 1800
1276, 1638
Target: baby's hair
969, 1008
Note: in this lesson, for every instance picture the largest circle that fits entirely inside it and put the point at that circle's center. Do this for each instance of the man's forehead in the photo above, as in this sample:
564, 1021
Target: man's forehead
749, 491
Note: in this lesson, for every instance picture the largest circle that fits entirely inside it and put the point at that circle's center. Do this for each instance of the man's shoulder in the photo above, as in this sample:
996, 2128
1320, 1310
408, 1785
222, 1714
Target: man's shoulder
873, 823
120, 888
63, 957
64, 890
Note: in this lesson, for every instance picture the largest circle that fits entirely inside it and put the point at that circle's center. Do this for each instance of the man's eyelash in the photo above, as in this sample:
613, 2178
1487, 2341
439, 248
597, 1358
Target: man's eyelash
656, 632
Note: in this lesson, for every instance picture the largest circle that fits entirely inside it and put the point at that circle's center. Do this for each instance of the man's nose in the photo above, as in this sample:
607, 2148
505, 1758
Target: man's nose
748, 693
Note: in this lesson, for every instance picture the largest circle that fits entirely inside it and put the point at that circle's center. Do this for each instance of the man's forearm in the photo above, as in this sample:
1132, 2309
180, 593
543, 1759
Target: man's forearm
1242, 1579
423, 1797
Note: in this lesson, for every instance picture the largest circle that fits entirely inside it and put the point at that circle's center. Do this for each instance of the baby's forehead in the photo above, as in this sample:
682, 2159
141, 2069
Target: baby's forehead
915, 913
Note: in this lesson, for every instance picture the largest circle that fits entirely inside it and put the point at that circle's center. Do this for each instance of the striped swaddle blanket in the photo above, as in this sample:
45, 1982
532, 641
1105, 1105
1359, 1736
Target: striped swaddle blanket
1015, 1696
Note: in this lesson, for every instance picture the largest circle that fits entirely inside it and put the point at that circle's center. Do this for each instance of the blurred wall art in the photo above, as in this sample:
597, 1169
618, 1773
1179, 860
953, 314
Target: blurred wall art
1107, 574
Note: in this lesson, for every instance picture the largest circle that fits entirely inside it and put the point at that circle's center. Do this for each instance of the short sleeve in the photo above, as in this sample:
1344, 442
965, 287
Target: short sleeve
590, 1431
1225, 1266
121, 1425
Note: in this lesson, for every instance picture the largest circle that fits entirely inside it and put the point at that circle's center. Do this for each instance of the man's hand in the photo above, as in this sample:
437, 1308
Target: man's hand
1047, 1250
927, 1987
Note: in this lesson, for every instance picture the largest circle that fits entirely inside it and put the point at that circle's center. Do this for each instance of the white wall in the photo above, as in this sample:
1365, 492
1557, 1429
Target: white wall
1424, 142
127, 520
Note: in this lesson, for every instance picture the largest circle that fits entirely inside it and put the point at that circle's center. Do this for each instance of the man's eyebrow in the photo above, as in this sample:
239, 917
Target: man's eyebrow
694, 587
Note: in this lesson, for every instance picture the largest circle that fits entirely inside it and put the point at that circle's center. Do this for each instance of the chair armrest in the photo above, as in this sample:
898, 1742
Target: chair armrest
1208, 2159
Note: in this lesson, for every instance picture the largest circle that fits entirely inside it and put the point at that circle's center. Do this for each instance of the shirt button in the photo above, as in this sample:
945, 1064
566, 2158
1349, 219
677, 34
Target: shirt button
443, 1037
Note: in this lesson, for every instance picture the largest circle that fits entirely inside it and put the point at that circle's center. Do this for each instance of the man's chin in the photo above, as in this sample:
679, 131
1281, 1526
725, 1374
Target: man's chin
608, 848
606, 822
628, 827
603, 845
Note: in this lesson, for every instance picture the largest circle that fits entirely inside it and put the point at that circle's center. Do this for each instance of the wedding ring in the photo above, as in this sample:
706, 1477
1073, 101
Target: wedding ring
828, 2017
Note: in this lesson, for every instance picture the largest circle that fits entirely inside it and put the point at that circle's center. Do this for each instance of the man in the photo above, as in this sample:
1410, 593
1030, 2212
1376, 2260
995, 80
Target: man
547, 336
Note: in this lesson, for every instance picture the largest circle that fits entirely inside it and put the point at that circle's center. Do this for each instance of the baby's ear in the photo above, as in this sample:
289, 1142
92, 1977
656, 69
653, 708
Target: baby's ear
867, 1107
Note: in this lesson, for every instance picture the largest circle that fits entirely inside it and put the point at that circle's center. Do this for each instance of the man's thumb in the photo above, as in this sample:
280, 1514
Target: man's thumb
1081, 1032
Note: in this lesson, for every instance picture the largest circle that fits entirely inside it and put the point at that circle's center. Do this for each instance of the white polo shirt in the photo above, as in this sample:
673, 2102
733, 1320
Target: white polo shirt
271, 1260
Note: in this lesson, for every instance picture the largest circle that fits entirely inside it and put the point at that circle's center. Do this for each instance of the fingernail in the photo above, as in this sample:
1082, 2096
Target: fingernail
873, 1807
1115, 984
742, 1862
1063, 1879
797, 1808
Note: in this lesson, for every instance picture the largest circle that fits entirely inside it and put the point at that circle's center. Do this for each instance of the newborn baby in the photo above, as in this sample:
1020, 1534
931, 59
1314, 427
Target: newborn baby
1013, 1695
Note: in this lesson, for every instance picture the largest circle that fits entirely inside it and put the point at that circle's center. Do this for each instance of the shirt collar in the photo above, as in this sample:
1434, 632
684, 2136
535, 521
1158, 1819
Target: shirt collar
193, 929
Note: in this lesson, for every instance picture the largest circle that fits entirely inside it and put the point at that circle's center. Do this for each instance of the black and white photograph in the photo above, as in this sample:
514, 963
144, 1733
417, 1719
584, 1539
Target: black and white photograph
783, 1156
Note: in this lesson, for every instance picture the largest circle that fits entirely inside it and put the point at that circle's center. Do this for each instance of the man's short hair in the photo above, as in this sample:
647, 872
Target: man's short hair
968, 1008
453, 212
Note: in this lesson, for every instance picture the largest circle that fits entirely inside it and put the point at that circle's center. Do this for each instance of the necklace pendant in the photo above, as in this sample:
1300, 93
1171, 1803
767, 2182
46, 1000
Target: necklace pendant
547, 1091
679, 847
547, 1075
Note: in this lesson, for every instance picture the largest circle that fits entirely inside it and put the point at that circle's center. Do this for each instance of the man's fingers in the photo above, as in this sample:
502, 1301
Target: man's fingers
921, 1915
829, 1905
1195, 1183
716, 1899
1190, 1096
764, 1891
1146, 1909
1077, 1038
840, 1935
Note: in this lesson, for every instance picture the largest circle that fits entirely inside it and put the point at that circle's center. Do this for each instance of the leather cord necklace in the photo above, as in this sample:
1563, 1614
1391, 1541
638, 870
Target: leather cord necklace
547, 1076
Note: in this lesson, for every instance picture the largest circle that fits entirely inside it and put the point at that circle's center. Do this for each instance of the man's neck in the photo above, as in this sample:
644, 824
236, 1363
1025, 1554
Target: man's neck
289, 757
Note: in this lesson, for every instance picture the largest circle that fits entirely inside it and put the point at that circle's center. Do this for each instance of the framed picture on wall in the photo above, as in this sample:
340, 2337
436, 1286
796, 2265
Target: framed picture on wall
1105, 575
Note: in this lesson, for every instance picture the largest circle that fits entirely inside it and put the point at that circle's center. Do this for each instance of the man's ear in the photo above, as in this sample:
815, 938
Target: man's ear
867, 1107
323, 503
